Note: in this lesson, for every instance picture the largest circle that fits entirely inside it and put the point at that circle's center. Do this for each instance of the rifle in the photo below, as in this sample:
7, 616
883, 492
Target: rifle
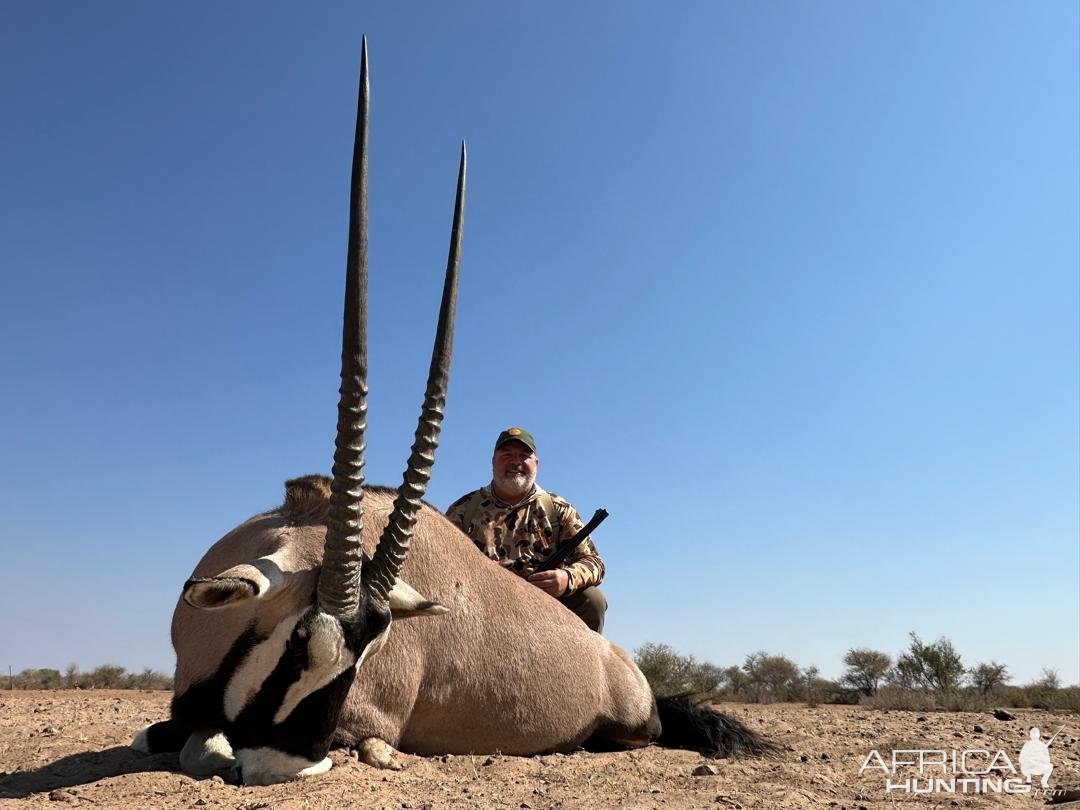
568, 547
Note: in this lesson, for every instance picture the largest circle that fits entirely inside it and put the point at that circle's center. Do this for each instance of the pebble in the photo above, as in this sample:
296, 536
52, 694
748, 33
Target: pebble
1001, 714
978, 729
705, 769
61, 796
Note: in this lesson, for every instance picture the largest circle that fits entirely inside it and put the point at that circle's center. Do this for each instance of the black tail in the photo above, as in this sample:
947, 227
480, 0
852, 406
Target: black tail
684, 724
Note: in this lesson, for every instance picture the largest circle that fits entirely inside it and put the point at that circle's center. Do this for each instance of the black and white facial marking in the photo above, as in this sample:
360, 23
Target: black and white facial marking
277, 696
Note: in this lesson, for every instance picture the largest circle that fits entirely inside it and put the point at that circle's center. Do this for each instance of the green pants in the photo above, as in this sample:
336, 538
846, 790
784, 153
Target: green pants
589, 605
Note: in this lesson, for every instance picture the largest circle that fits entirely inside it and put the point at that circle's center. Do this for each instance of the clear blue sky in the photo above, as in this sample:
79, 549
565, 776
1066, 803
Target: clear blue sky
791, 289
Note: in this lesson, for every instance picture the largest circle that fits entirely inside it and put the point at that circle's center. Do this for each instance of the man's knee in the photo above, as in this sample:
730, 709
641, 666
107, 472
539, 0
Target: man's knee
589, 605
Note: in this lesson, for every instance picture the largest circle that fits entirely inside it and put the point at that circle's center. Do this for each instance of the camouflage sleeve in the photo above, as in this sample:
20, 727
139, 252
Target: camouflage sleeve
455, 513
584, 565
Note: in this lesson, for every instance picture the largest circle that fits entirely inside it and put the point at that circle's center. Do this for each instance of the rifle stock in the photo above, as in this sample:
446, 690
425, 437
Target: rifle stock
567, 547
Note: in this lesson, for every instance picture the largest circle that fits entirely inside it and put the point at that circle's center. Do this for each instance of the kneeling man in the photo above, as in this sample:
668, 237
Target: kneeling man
519, 525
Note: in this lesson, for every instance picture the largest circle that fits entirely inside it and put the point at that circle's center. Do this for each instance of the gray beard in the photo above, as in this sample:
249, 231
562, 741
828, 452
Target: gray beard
518, 484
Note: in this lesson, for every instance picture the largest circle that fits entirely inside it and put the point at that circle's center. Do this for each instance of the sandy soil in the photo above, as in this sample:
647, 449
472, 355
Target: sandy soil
60, 748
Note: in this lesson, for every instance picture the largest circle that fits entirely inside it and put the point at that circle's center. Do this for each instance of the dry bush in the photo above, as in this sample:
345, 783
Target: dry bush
866, 669
935, 666
671, 674
988, 678
773, 677
893, 696
106, 676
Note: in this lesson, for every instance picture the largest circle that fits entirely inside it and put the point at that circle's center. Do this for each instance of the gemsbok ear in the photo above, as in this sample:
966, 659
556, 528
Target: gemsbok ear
237, 584
406, 602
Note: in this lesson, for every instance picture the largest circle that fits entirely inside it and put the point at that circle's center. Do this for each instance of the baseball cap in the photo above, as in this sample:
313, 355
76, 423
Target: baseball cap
516, 434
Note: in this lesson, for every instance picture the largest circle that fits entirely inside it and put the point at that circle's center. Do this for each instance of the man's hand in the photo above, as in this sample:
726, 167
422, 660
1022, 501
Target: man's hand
553, 583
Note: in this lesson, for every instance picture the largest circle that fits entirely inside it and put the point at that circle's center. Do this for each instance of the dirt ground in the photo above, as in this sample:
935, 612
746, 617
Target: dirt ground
70, 748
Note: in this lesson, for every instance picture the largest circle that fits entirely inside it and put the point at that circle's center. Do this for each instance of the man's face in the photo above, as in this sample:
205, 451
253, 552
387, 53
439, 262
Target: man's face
513, 467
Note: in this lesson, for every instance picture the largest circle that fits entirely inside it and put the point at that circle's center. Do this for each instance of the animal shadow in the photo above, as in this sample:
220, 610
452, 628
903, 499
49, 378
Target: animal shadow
81, 769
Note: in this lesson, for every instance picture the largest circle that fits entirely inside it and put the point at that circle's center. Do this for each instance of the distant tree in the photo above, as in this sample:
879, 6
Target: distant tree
670, 673
667, 672
865, 669
108, 676
813, 686
1048, 680
71, 676
930, 666
988, 677
736, 681
772, 677
38, 679
705, 679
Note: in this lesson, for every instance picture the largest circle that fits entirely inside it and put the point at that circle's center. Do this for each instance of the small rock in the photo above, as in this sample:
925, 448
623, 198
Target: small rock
862, 797
427, 806
978, 729
200, 802
61, 796
824, 756
217, 780
958, 734
705, 769
1001, 714
655, 790
525, 805
921, 718
405, 806
488, 761
48, 731
804, 758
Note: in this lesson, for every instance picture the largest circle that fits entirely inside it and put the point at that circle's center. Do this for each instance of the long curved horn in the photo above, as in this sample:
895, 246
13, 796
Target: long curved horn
339, 581
381, 572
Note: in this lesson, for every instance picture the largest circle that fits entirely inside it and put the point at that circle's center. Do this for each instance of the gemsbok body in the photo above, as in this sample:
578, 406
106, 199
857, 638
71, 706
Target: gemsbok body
360, 616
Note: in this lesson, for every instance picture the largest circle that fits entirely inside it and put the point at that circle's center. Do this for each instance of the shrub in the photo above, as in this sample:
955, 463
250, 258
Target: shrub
106, 676
930, 666
670, 674
772, 677
988, 678
37, 679
865, 669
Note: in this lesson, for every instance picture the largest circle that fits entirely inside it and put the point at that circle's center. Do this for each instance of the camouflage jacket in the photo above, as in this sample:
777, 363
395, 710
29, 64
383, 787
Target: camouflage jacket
518, 536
